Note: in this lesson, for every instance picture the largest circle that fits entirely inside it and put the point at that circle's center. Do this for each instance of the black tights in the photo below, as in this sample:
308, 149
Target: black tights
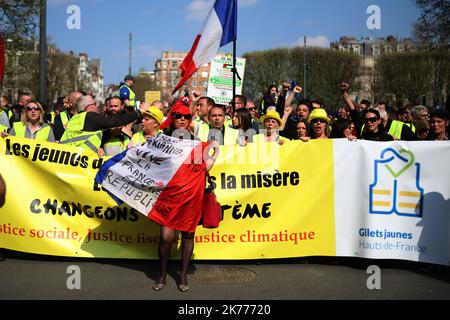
165, 244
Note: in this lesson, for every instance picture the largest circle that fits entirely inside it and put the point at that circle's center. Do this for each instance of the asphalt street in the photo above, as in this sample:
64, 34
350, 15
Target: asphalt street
37, 277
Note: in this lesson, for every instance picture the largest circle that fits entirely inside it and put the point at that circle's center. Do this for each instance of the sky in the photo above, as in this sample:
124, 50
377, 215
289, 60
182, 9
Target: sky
172, 25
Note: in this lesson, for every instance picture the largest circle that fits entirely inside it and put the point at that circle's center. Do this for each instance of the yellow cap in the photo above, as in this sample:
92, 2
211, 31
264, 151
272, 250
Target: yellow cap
272, 115
318, 114
155, 113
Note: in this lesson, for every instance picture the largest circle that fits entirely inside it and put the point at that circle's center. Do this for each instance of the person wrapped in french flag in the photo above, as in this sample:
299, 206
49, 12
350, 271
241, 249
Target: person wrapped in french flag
220, 28
163, 178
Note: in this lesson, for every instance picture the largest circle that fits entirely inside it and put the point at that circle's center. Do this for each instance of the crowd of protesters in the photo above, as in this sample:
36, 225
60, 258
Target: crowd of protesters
281, 115
121, 122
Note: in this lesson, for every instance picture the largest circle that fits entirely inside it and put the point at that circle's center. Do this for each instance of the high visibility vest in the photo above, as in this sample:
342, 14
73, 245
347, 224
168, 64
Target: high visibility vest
230, 138
64, 118
116, 145
3, 128
42, 134
138, 138
411, 126
52, 117
132, 97
74, 135
9, 113
203, 130
396, 129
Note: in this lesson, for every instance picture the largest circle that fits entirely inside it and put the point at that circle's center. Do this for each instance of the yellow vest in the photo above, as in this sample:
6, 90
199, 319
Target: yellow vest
63, 115
75, 136
42, 133
52, 117
411, 126
3, 128
64, 118
396, 129
230, 138
138, 138
116, 145
132, 98
8, 112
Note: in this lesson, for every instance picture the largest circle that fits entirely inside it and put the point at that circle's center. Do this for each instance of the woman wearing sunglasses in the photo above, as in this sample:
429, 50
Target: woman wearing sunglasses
178, 122
373, 127
186, 212
318, 120
32, 124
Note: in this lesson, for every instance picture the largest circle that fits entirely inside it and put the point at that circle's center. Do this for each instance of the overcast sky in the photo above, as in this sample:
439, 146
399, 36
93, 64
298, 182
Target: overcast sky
166, 25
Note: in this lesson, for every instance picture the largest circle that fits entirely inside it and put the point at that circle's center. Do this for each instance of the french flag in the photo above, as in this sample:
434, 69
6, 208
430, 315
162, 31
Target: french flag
161, 178
220, 28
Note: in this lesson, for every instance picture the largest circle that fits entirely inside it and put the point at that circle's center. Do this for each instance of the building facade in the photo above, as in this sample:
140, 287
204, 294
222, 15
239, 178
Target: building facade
370, 50
90, 75
168, 74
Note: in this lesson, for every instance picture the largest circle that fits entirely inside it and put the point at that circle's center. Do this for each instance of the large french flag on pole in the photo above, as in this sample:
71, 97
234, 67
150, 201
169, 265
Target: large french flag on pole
220, 28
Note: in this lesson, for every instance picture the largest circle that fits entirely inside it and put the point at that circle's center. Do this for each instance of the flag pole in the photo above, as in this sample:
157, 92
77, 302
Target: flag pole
234, 74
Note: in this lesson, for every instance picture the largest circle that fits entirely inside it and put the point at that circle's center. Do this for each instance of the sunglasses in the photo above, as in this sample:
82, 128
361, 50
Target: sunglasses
318, 121
251, 109
178, 116
373, 119
33, 108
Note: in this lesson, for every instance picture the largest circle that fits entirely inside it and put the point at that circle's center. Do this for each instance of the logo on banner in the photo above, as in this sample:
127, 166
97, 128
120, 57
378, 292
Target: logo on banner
396, 187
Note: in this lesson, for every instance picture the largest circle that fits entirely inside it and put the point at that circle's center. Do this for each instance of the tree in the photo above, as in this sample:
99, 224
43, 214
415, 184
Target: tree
18, 19
410, 76
326, 69
433, 26
143, 83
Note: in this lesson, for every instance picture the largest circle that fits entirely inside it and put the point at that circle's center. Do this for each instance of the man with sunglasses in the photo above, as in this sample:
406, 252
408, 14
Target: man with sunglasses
86, 128
256, 123
373, 127
395, 128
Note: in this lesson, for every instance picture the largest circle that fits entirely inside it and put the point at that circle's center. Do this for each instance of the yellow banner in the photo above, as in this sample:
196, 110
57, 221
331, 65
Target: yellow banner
278, 202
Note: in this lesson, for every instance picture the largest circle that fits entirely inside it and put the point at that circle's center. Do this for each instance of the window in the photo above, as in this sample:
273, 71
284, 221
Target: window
205, 74
376, 50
